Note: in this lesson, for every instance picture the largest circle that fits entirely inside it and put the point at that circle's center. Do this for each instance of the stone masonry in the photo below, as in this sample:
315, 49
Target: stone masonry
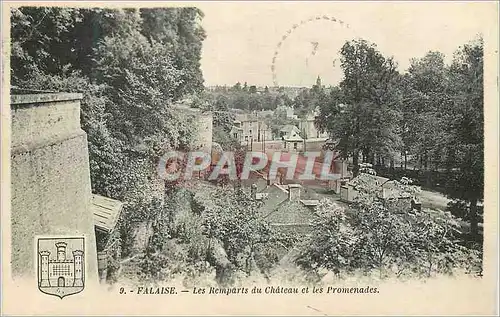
50, 179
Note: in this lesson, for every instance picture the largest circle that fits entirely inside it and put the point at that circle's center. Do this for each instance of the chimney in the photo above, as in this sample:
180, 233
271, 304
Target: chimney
344, 169
253, 191
340, 167
415, 204
294, 192
270, 181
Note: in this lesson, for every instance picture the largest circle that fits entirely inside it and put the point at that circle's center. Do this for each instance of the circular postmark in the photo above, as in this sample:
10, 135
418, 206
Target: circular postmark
314, 44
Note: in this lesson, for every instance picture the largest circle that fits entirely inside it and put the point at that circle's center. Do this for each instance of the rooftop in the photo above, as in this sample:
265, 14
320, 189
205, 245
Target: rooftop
310, 202
291, 213
289, 128
294, 139
106, 212
368, 179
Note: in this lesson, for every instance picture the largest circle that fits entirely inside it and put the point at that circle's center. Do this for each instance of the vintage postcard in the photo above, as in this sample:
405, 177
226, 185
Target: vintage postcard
250, 158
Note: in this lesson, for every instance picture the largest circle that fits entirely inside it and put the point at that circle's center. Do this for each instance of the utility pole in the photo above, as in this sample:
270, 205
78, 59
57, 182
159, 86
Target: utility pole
305, 139
264, 142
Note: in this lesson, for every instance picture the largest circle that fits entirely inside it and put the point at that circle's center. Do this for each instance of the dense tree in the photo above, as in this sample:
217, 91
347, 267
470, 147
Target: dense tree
366, 106
42, 40
442, 123
180, 30
219, 227
53, 39
236, 87
142, 79
425, 99
309, 100
377, 235
250, 99
129, 64
223, 118
465, 142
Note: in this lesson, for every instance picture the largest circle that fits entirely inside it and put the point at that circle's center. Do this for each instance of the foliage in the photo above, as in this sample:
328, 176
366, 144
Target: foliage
465, 145
179, 29
365, 106
177, 246
333, 240
309, 100
113, 270
205, 229
251, 99
433, 112
226, 141
443, 121
130, 65
371, 235
425, 99
143, 80
233, 219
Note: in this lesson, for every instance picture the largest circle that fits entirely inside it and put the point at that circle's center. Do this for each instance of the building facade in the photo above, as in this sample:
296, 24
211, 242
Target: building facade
251, 128
309, 130
292, 141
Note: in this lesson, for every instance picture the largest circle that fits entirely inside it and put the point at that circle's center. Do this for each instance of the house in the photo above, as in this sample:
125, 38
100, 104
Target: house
345, 176
289, 111
250, 127
237, 131
106, 213
308, 128
349, 191
286, 209
384, 188
289, 130
290, 134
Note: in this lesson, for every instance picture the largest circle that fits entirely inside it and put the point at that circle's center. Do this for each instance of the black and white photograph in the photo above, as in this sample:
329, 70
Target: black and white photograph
239, 150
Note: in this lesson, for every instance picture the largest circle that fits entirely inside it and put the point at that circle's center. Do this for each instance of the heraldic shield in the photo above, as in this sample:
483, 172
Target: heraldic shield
61, 265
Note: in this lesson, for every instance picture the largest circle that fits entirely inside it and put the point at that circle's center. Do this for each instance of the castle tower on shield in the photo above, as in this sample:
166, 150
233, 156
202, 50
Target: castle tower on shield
61, 251
78, 261
44, 269
64, 271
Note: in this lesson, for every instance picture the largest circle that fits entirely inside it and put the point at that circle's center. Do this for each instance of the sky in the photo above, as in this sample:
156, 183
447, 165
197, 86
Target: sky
242, 38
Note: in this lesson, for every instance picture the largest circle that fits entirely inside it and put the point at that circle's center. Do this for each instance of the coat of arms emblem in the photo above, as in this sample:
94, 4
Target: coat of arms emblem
61, 265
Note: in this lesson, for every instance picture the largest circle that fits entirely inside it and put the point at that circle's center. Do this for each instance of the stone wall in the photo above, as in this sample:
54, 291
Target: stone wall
205, 130
50, 177
204, 125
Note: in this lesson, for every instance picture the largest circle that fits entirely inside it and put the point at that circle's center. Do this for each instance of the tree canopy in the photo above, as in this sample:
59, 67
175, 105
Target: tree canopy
130, 64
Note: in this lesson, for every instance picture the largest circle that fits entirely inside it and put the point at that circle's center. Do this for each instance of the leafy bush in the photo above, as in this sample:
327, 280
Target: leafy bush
372, 235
